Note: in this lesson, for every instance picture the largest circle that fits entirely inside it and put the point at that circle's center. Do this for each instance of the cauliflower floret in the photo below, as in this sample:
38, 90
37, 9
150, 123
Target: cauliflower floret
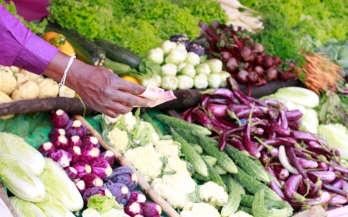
169, 149
175, 188
213, 193
47, 87
31, 76
199, 210
8, 82
119, 139
240, 214
146, 160
26, 90
128, 118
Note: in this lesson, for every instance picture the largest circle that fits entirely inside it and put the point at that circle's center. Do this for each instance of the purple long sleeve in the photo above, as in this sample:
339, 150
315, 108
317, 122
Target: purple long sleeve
22, 48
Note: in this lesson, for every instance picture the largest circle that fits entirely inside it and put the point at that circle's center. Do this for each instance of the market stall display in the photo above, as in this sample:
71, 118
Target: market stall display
248, 113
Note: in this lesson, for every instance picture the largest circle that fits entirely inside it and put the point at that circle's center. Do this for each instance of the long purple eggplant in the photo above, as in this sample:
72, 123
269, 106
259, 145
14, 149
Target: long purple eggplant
340, 169
291, 186
325, 176
305, 136
219, 100
277, 190
201, 117
293, 159
311, 164
205, 100
187, 115
286, 141
224, 137
281, 172
244, 113
217, 109
273, 103
217, 124
237, 143
332, 189
293, 115
242, 99
248, 144
258, 102
283, 119
280, 130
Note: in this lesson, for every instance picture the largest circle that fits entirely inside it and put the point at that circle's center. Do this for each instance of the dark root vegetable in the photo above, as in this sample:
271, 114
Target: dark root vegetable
242, 76
268, 62
253, 77
232, 65
277, 60
225, 56
259, 70
257, 47
271, 74
245, 53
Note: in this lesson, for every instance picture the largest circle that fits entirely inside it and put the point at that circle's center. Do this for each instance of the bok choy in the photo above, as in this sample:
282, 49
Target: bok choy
53, 207
25, 208
28, 156
21, 182
59, 185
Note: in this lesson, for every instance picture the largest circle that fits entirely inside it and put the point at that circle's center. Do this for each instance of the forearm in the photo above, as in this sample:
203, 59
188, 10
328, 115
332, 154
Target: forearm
22, 48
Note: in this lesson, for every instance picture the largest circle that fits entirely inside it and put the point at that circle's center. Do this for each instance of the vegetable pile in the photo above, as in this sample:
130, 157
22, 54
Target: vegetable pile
305, 169
136, 25
245, 60
180, 64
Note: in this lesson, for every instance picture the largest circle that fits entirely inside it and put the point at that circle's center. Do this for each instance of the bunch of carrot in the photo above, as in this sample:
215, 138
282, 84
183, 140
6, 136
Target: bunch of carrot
320, 73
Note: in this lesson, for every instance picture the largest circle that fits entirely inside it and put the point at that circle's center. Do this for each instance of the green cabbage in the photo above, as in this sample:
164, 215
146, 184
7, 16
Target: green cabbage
28, 156
53, 208
336, 136
19, 180
60, 186
25, 208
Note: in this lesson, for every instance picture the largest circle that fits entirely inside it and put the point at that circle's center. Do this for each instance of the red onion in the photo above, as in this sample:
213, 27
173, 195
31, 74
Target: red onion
271, 74
268, 62
259, 70
225, 56
258, 47
253, 77
258, 60
245, 53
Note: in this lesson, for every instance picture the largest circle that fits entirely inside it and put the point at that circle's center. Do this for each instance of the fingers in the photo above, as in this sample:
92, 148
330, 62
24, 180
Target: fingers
130, 87
125, 98
115, 109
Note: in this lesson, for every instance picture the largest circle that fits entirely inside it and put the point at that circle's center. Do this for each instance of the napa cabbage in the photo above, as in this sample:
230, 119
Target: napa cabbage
60, 186
25, 208
297, 95
336, 136
52, 207
21, 182
31, 158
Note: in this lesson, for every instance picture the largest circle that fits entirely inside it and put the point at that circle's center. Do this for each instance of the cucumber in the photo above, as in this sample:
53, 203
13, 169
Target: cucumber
86, 51
177, 123
191, 155
245, 209
209, 159
247, 164
200, 177
249, 183
118, 53
234, 197
247, 200
146, 117
198, 148
209, 146
220, 170
215, 176
118, 68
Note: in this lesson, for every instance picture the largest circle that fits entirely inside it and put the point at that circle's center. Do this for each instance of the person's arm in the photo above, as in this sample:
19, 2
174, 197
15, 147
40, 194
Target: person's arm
98, 87
22, 48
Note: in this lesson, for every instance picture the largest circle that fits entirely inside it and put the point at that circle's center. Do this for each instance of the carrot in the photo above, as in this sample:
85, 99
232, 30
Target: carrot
321, 74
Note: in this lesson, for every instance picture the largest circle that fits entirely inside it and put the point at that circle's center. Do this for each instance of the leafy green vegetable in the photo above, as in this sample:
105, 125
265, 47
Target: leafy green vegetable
59, 185
26, 208
263, 206
138, 25
335, 136
34, 26
103, 203
321, 19
52, 207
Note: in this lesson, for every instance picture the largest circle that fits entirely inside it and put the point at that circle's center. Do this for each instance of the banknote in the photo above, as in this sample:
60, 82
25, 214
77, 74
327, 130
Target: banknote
157, 95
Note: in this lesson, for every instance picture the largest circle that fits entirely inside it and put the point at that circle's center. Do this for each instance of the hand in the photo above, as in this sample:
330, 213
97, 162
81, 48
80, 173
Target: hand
98, 87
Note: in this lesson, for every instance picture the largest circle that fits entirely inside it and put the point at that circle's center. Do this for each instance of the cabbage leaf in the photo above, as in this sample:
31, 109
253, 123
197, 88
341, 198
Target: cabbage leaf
60, 186
28, 156
19, 180
335, 136
53, 208
25, 208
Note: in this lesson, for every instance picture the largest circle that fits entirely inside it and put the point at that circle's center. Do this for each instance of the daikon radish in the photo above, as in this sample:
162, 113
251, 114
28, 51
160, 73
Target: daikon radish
237, 23
232, 13
235, 4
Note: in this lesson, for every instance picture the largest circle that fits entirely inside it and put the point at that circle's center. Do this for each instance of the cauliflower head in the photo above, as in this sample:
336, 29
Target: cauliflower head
26, 90
146, 160
212, 193
47, 87
8, 82
199, 210
169, 149
175, 188
119, 139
